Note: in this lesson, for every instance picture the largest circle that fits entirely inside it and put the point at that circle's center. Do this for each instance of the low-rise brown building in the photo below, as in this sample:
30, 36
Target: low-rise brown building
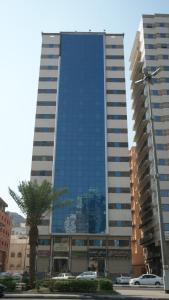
5, 233
138, 266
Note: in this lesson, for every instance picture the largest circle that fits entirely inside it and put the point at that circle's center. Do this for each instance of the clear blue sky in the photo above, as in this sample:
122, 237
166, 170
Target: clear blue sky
22, 22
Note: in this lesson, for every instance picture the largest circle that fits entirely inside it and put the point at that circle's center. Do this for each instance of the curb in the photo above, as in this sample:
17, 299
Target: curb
78, 296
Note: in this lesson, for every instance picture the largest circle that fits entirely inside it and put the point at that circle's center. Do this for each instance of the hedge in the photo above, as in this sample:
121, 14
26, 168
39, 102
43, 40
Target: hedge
9, 283
79, 285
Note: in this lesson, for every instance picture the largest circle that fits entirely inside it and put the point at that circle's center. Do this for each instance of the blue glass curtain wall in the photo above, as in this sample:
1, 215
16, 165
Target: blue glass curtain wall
80, 136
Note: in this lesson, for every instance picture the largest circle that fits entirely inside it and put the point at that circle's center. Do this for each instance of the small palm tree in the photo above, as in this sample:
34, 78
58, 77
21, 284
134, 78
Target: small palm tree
35, 200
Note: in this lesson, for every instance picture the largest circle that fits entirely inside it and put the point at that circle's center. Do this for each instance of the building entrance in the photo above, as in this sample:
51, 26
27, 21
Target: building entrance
60, 265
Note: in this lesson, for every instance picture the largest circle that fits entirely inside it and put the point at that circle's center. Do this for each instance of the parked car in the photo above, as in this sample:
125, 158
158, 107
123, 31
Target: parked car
87, 275
2, 290
146, 279
5, 274
64, 276
123, 279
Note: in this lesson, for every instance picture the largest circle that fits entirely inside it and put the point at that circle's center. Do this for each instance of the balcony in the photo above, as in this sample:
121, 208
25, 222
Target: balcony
146, 239
140, 129
144, 182
146, 215
143, 163
143, 198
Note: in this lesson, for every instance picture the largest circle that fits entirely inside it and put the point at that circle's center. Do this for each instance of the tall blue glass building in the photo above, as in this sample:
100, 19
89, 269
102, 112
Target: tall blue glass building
80, 143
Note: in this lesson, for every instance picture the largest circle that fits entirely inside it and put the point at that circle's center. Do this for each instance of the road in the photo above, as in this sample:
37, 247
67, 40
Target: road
144, 291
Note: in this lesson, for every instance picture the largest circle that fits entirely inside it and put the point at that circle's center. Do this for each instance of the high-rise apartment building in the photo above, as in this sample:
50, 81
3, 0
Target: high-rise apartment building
150, 50
137, 257
80, 142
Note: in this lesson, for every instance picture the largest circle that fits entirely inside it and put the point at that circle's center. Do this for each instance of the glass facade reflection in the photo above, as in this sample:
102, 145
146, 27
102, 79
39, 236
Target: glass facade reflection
80, 135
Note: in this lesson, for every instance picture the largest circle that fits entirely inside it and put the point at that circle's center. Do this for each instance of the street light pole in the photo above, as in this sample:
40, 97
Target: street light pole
147, 78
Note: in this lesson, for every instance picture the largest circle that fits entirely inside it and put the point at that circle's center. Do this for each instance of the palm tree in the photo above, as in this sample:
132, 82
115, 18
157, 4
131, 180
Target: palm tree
35, 200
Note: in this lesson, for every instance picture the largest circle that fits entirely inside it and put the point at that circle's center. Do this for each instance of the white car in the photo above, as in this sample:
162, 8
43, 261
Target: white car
122, 279
87, 275
146, 279
63, 276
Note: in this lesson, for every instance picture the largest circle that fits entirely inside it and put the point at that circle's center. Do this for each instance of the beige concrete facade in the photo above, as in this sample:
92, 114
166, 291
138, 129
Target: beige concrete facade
138, 266
150, 50
118, 188
18, 254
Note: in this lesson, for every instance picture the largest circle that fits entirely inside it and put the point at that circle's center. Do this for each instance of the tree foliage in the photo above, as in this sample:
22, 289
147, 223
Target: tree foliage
34, 201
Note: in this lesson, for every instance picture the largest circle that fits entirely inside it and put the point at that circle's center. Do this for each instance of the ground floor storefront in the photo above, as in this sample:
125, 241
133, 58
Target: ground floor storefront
105, 254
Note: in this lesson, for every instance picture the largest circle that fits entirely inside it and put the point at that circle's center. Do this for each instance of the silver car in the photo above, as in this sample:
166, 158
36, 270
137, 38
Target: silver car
147, 279
123, 279
87, 275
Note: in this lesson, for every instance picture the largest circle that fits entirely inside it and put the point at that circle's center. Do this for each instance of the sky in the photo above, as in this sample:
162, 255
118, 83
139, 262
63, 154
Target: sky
22, 22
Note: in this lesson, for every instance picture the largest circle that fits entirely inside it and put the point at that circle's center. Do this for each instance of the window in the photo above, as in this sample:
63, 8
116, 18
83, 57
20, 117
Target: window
166, 226
149, 35
43, 143
41, 173
159, 132
49, 56
155, 105
119, 92
123, 243
118, 159
48, 67
115, 56
120, 223
115, 80
118, 174
44, 242
79, 242
115, 68
163, 162
118, 190
164, 177
47, 91
157, 118
44, 129
116, 117
47, 79
111, 243
163, 35
117, 144
148, 25
114, 46
116, 104
42, 158
50, 46
46, 103
45, 116
116, 130
149, 46
119, 206
97, 243
160, 146
164, 193
19, 254
151, 57
165, 68
165, 207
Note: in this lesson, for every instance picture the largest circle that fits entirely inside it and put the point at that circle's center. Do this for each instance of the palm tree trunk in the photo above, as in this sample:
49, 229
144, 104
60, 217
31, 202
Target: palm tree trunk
33, 239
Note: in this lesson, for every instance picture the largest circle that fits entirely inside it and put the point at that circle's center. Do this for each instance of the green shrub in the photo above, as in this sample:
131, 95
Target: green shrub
105, 285
9, 283
74, 285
